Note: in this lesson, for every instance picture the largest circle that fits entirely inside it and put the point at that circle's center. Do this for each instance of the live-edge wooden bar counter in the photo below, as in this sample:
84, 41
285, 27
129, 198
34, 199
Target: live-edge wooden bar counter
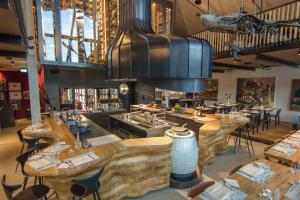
211, 130
133, 167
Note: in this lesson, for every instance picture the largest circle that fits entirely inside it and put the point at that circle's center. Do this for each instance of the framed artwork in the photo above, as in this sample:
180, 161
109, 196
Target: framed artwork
26, 95
294, 104
259, 91
15, 95
210, 89
3, 85
14, 86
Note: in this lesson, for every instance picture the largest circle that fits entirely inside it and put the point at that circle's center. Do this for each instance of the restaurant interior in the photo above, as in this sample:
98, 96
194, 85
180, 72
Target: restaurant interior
150, 99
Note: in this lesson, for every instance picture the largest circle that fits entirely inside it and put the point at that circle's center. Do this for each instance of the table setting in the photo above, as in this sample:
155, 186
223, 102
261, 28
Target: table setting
257, 172
226, 190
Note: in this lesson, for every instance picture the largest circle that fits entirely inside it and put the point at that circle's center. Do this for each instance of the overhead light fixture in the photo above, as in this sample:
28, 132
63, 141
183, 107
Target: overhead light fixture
23, 70
298, 53
236, 61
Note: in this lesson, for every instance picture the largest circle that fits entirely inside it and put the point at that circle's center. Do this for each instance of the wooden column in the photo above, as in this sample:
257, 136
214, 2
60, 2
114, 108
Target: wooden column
32, 63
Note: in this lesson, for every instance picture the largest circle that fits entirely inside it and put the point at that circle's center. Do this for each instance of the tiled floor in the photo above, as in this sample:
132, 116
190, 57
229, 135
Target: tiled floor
10, 147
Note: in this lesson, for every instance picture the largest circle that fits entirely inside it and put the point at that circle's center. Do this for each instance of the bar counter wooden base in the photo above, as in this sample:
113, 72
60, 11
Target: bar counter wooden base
213, 136
132, 167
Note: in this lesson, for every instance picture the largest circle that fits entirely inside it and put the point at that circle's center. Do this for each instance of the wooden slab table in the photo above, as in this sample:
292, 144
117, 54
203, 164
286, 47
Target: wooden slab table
274, 155
132, 167
282, 179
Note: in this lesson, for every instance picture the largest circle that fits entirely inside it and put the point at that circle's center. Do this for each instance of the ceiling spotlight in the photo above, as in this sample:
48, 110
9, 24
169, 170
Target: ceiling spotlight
298, 53
197, 2
236, 60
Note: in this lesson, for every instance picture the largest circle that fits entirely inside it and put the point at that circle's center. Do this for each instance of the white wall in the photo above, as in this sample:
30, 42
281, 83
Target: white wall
284, 76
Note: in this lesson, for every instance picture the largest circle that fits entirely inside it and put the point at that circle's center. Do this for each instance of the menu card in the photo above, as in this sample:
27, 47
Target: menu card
221, 192
55, 149
81, 159
41, 163
294, 192
284, 149
97, 141
257, 172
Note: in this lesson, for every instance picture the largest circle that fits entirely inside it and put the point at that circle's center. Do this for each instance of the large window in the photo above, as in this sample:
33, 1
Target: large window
68, 31
74, 32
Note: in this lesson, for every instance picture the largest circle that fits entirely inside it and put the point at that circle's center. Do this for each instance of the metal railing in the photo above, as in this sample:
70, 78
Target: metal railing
287, 36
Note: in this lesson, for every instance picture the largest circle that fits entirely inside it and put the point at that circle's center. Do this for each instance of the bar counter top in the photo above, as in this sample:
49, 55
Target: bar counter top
132, 167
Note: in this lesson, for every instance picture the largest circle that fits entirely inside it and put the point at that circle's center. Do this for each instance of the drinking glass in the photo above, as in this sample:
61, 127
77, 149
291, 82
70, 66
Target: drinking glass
294, 171
85, 144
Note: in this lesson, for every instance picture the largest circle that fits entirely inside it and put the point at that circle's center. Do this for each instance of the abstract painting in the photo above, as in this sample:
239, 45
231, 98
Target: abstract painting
295, 95
256, 91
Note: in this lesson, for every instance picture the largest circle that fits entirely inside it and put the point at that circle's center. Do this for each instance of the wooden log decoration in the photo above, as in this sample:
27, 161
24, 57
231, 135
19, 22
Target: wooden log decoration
132, 167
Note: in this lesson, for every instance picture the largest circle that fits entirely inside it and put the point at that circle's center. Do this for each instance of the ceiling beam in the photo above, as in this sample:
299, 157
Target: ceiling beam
219, 70
4, 4
277, 60
17, 54
229, 66
10, 39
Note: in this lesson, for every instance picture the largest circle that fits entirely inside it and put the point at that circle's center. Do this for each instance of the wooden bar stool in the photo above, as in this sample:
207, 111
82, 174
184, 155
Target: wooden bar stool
242, 133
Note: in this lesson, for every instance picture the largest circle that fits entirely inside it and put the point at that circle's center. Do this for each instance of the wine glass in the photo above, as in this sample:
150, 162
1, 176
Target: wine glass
294, 171
85, 144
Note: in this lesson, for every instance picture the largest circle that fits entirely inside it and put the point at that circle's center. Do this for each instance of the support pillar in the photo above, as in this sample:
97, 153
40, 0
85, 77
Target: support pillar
32, 63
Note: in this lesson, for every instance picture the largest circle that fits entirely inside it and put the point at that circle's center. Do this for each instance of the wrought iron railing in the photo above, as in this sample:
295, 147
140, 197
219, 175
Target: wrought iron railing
249, 43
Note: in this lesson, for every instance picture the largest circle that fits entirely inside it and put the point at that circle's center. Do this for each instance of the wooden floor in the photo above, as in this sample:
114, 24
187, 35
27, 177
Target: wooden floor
272, 134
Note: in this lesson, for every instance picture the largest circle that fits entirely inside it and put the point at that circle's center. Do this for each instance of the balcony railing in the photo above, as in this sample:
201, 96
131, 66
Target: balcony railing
288, 37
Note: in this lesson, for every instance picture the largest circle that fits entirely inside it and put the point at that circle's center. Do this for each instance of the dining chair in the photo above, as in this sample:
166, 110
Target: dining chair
265, 121
276, 117
235, 169
20, 136
199, 188
84, 187
21, 159
31, 193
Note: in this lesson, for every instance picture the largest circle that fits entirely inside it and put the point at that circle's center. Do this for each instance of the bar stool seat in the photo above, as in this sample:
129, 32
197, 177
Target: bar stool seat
31, 193
84, 187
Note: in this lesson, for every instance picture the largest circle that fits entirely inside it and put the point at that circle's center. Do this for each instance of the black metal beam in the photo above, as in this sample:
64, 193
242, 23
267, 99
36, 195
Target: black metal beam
218, 70
17, 54
4, 4
277, 60
10, 39
229, 66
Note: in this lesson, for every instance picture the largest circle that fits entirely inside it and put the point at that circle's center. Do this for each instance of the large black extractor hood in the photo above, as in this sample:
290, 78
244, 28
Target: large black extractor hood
168, 62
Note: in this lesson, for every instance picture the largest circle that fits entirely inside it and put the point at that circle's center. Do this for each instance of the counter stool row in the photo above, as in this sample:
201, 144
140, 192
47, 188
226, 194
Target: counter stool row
80, 189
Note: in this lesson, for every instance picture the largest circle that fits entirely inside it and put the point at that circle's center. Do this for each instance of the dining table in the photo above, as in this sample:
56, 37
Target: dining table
282, 182
285, 150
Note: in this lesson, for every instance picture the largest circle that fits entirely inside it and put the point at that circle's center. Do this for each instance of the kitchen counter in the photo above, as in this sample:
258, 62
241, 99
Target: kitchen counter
132, 167
101, 118
136, 129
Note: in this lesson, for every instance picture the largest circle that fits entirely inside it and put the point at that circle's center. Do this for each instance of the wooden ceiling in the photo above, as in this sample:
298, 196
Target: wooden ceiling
12, 53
